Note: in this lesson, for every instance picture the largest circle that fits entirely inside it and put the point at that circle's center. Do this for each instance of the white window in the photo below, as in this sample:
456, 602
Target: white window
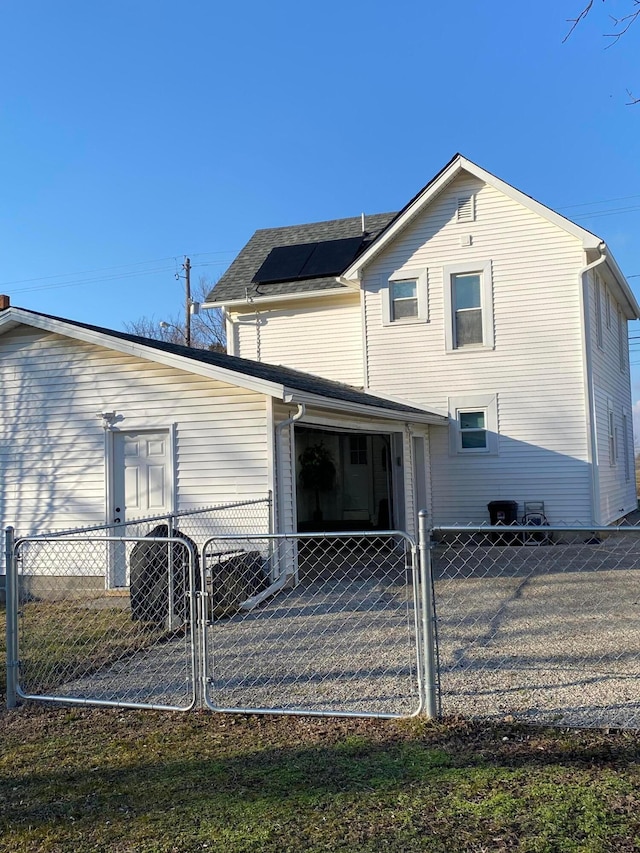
468, 306
611, 435
405, 300
473, 429
622, 339
473, 424
598, 295
625, 440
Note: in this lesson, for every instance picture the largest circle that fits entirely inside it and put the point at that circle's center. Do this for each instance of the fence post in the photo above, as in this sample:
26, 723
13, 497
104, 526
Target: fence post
11, 592
428, 626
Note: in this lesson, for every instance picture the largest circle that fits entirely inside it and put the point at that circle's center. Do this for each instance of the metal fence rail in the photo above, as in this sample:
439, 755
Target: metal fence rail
313, 624
542, 625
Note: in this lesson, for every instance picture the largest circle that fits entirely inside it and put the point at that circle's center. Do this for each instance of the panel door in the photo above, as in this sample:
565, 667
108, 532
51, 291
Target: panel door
141, 483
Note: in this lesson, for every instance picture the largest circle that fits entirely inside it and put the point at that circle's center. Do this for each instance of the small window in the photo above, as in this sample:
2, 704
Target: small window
473, 430
473, 425
467, 306
358, 449
404, 299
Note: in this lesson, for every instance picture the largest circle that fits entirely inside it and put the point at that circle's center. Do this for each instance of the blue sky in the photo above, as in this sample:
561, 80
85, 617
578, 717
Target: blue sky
135, 133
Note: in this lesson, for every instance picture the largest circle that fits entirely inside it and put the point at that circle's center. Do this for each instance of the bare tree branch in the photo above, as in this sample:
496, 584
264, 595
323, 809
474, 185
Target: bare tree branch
207, 327
575, 21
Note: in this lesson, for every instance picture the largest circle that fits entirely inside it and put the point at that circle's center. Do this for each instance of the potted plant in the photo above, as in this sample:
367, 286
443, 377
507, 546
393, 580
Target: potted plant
317, 472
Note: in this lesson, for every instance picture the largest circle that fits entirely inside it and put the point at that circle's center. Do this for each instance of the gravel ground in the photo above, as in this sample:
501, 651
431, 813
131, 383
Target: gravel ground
550, 635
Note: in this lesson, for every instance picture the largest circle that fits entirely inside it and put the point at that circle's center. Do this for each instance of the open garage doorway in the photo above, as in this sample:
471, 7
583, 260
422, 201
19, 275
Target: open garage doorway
345, 480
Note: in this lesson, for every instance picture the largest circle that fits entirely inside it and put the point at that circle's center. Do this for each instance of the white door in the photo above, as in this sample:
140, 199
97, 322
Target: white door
141, 482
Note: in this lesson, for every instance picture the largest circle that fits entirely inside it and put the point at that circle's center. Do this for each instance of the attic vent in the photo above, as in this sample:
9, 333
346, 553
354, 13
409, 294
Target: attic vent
466, 208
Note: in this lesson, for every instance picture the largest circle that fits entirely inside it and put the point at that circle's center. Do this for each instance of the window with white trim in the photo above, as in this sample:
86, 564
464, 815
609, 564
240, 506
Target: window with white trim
468, 306
611, 435
598, 295
405, 299
473, 430
473, 424
625, 440
622, 339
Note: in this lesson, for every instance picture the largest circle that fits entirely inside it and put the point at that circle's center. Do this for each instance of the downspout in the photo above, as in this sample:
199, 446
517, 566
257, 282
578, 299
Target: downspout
280, 491
591, 401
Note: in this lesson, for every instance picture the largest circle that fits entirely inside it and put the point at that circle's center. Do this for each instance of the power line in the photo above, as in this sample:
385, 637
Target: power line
603, 201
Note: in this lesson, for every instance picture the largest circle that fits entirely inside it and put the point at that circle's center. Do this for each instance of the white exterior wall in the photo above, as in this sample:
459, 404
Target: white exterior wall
319, 336
535, 368
52, 455
612, 392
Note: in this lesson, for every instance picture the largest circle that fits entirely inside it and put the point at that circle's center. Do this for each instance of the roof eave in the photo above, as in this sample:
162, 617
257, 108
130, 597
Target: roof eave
292, 395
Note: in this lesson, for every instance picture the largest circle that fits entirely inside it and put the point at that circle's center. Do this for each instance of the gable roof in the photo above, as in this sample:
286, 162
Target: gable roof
236, 285
283, 383
237, 282
435, 186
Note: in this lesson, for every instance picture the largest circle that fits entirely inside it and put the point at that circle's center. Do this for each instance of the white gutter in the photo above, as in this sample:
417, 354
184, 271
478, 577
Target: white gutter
280, 491
281, 297
588, 380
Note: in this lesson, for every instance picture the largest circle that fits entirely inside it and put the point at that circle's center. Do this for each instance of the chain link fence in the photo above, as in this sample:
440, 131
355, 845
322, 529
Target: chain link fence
537, 624
542, 625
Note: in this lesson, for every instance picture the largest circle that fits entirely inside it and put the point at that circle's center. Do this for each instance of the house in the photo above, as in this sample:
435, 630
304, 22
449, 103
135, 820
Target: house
100, 426
475, 301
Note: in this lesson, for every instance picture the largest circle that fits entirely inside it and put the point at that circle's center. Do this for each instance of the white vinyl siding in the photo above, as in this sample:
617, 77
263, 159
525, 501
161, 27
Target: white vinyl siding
616, 492
535, 363
52, 442
319, 336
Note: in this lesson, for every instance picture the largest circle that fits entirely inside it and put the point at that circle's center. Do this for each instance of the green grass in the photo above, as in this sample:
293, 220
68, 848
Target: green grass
64, 640
89, 779
92, 779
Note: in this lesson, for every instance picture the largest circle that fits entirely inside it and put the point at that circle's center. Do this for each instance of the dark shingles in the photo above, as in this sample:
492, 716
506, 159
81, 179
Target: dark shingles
236, 283
285, 376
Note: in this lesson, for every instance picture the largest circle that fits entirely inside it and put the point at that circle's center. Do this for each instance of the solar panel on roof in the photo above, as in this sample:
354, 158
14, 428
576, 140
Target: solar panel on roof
283, 263
331, 257
308, 260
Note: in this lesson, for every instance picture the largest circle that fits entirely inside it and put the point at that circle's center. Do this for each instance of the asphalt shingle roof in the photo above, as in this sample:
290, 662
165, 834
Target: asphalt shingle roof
236, 283
292, 379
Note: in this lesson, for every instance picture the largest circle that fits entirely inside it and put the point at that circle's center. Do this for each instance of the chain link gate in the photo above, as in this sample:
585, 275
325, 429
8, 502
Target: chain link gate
74, 637
323, 624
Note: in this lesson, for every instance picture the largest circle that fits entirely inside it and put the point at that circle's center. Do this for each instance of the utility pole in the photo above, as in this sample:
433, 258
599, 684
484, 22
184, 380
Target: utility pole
186, 266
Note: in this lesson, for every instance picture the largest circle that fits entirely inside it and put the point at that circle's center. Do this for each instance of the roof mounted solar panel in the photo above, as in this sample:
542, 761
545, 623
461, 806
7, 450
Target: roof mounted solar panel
308, 260
283, 263
331, 257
